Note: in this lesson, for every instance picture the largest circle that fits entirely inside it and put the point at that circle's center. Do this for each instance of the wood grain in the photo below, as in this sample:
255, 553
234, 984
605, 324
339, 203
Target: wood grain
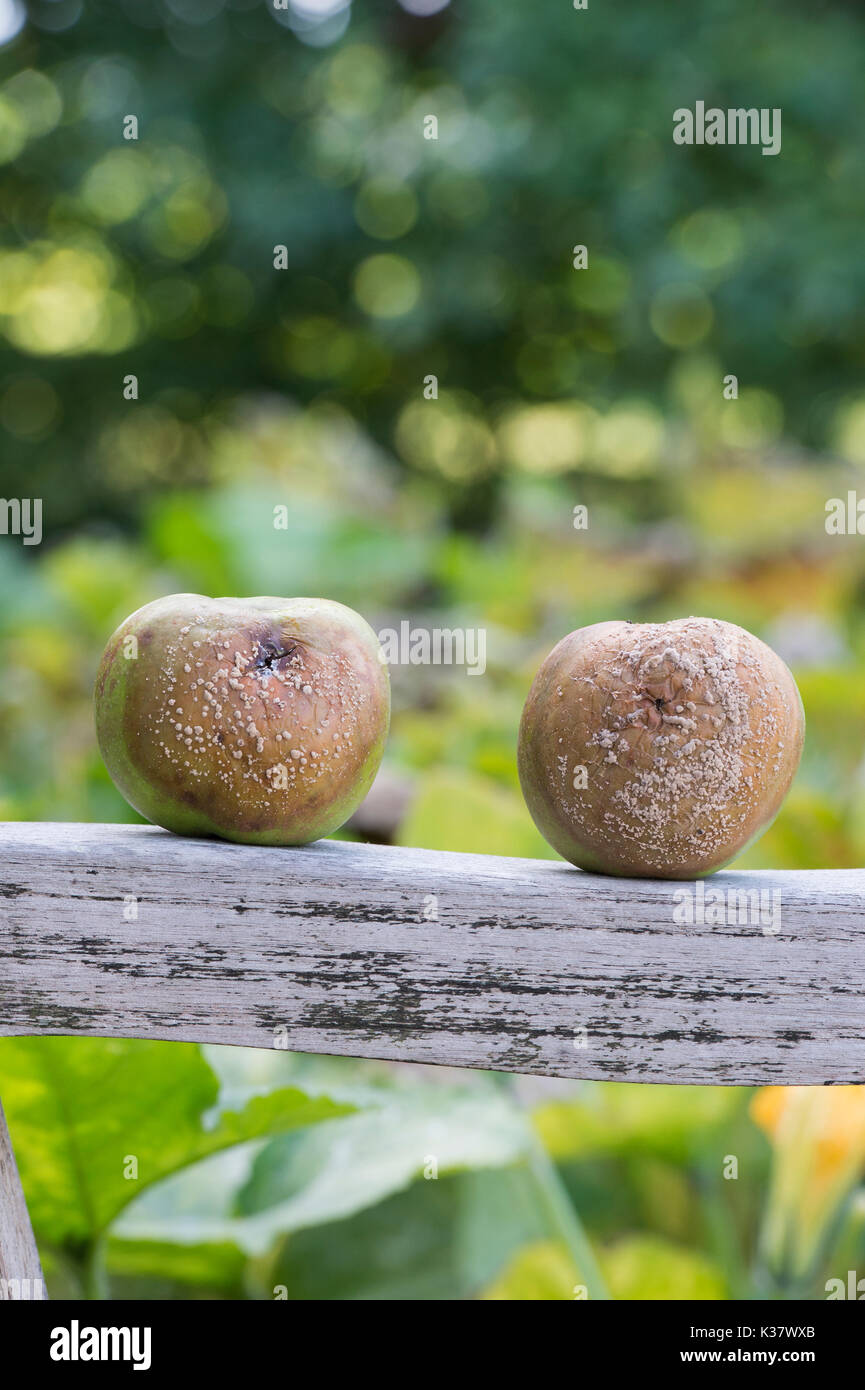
468, 960
20, 1271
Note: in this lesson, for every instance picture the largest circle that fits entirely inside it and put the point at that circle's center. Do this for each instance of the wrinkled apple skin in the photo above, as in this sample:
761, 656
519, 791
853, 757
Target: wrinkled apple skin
259, 720
689, 734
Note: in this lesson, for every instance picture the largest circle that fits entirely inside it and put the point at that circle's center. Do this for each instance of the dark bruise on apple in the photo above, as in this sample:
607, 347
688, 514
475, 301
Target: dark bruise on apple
259, 720
659, 750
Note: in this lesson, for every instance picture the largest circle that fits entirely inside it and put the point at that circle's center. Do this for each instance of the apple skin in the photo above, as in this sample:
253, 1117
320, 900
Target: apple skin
690, 733
259, 720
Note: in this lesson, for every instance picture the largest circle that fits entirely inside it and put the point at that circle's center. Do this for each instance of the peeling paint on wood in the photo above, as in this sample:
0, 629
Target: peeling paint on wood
20, 1271
465, 960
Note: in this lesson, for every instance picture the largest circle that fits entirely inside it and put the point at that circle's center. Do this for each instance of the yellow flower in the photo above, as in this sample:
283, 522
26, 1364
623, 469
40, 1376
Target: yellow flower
818, 1138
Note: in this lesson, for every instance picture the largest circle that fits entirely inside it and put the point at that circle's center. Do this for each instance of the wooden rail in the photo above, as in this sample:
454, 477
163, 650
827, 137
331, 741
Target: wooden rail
509, 964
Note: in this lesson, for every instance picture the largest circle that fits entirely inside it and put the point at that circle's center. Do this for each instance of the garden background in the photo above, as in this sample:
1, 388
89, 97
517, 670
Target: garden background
303, 387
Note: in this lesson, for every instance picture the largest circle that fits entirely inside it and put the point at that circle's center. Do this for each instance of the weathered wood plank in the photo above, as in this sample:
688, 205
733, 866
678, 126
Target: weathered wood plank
20, 1270
469, 960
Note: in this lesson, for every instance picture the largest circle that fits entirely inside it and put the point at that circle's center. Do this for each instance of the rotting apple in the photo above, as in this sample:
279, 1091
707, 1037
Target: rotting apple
659, 750
260, 720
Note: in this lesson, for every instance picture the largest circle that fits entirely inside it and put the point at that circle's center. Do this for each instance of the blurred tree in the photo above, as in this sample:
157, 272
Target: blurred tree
304, 128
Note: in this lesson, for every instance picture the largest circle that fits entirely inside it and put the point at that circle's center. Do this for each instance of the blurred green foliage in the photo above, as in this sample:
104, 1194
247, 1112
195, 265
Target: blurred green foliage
408, 258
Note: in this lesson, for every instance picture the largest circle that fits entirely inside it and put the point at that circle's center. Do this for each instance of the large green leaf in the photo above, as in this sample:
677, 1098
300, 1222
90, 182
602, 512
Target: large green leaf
262, 1190
442, 1239
84, 1113
401, 1248
314, 1177
437, 1239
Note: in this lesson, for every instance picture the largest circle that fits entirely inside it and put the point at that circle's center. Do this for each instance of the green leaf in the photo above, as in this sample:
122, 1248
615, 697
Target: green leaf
668, 1121
457, 810
499, 1212
441, 1239
80, 1109
638, 1267
647, 1267
542, 1272
260, 1191
226, 541
160, 1269
354, 1162
247, 1072
400, 1248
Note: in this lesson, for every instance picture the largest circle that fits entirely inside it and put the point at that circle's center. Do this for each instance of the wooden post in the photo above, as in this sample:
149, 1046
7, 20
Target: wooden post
20, 1270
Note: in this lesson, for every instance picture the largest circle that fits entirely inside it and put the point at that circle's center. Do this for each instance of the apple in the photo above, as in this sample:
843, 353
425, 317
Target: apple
260, 720
658, 750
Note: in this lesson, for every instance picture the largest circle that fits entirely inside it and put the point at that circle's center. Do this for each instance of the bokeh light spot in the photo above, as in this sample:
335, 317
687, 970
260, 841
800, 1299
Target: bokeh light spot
849, 431
709, 239
116, 187
12, 17
753, 421
356, 80
385, 208
29, 407
37, 100
447, 437
387, 286
547, 439
13, 130
629, 440
424, 7
681, 315
602, 287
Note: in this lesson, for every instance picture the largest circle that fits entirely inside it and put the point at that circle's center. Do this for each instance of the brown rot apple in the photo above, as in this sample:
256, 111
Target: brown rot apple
261, 720
659, 750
